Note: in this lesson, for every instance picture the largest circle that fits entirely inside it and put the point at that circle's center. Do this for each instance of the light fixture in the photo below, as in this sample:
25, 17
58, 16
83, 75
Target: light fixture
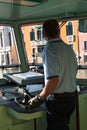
24, 2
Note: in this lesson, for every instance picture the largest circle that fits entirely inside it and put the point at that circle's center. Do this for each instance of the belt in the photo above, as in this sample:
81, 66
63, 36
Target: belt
65, 94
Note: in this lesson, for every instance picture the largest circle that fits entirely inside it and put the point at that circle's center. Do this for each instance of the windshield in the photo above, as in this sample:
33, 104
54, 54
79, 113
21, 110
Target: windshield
34, 42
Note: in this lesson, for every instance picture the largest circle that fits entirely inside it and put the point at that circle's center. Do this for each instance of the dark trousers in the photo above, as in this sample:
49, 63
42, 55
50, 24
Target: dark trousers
59, 111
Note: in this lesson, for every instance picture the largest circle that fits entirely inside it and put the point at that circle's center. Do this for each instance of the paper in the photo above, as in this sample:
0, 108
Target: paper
34, 87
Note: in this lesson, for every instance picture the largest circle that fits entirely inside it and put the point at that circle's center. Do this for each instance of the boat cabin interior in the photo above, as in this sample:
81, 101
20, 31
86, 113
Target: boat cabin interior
21, 69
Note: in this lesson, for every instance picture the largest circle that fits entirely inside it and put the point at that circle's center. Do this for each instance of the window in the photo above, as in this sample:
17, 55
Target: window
40, 50
34, 55
69, 32
1, 41
32, 35
39, 34
85, 45
69, 29
9, 35
34, 43
9, 57
2, 59
85, 58
34, 51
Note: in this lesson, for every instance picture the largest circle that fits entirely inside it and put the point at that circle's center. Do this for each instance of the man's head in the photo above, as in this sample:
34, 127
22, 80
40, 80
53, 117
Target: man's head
51, 28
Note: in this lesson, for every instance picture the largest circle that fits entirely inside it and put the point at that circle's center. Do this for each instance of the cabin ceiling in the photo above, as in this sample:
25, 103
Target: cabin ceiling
50, 9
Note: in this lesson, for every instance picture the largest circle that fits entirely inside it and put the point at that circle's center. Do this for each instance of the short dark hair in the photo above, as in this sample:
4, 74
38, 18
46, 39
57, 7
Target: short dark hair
51, 27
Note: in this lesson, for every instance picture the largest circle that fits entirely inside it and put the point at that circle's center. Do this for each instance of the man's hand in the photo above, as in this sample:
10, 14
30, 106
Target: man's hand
35, 102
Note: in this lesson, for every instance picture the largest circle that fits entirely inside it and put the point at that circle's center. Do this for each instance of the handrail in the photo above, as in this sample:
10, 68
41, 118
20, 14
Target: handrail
9, 66
18, 65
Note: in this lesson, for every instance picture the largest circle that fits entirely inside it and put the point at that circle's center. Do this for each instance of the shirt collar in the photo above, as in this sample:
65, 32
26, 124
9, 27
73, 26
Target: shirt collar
54, 39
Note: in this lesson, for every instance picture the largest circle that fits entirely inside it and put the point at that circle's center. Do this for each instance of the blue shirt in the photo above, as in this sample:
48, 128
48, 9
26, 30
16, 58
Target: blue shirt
59, 60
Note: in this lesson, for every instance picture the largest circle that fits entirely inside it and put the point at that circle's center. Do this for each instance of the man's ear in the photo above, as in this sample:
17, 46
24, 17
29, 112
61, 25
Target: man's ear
43, 33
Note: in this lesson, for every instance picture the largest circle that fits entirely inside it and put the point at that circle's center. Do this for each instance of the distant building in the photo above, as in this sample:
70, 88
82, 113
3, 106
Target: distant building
8, 54
34, 42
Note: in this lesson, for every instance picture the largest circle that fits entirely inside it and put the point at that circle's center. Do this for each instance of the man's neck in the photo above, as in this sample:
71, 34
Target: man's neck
49, 38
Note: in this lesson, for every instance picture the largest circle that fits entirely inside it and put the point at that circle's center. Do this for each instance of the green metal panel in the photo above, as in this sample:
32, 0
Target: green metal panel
41, 123
21, 48
20, 121
25, 116
83, 111
8, 122
79, 117
29, 125
72, 124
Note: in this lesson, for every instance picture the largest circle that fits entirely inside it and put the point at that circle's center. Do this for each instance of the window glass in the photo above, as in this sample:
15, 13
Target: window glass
34, 42
9, 58
85, 45
69, 29
69, 33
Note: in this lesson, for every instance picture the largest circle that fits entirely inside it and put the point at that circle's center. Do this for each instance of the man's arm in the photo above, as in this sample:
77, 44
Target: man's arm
49, 87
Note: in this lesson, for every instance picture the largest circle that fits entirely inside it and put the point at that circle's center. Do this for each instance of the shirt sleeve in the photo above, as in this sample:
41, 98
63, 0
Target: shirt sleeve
51, 64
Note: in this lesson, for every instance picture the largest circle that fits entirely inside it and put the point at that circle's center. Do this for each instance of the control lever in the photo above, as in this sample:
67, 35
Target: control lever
23, 100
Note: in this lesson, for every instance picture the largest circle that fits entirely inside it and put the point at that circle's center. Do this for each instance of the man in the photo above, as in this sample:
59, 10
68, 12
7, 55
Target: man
60, 67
